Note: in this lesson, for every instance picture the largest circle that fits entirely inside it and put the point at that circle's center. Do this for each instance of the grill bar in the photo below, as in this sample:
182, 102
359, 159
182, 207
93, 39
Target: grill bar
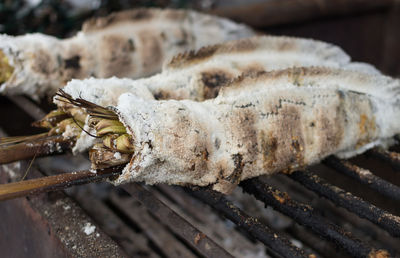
365, 176
276, 243
363, 209
176, 223
387, 156
305, 215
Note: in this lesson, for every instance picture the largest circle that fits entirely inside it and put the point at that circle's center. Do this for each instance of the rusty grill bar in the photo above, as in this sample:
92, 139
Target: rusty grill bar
388, 156
365, 176
179, 225
304, 214
352, 203
275, 242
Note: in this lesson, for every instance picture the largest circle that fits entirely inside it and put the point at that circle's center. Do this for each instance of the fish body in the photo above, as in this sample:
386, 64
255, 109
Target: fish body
259, 125
131, 44
201, 75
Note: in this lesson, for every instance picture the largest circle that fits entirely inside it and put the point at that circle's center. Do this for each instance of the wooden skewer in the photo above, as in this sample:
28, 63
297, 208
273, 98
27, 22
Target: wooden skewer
35, 148
56, 182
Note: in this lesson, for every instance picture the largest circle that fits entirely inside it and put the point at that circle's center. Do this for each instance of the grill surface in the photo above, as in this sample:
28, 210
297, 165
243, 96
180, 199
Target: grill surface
189, 240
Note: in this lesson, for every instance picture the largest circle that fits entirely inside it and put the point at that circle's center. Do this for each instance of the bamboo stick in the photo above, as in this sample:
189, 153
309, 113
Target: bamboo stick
53, 183
35, 148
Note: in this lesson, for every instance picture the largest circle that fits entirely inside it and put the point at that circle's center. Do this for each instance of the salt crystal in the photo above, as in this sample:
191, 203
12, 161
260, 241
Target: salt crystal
89, 228
117, 155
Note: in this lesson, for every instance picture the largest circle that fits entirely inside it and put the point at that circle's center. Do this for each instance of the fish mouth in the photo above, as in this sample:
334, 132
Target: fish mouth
116, 146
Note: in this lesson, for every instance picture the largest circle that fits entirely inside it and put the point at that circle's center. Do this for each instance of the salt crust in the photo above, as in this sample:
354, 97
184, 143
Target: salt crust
156, 160
88, 228
185, 83
38, 59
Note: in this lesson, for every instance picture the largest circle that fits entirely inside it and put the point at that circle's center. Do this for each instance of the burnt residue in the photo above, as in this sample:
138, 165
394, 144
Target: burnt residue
116, 57
43, 63
72, 62
139, 14
330, 127
213, 81
238, 164
269, 146
190, 57
151, 50
217, 143
282, 146
162, 94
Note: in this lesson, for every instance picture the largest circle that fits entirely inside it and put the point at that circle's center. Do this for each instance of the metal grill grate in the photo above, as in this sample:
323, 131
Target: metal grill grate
177, 214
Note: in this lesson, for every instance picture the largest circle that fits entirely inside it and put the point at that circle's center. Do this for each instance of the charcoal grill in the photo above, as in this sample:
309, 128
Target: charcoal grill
338, 208
171, 228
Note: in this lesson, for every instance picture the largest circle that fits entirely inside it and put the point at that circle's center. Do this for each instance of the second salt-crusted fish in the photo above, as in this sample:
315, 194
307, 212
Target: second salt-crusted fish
194, 75
200, 75
130, 44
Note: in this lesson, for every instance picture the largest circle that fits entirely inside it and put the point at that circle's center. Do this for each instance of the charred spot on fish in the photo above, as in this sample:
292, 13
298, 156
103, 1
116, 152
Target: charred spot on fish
234, 178
242, 45
72, 62
213, 81
117, 58
141, 14
151, 51
162, 95
131, 45
296, 145
183, 40
253, 71
287, 45
217, 143
43, 63
269, 146
312, 124
205, 154
246, 105
189, 57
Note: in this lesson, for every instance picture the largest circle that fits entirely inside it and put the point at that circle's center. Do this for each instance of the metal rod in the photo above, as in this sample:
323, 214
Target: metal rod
194, 237
305, 215
388, 156
363, 209
365, 176
272, 240
53, 183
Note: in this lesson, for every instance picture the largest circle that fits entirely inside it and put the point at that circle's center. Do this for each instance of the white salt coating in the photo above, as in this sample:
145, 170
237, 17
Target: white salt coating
20, 51
88, 228
184, 82
176, 141
117, 155
126, 47
103, 92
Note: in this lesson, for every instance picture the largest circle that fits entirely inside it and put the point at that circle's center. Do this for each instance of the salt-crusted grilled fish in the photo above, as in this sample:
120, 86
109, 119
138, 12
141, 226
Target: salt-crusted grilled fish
130, 44
259, 125
200, 75
193, 75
